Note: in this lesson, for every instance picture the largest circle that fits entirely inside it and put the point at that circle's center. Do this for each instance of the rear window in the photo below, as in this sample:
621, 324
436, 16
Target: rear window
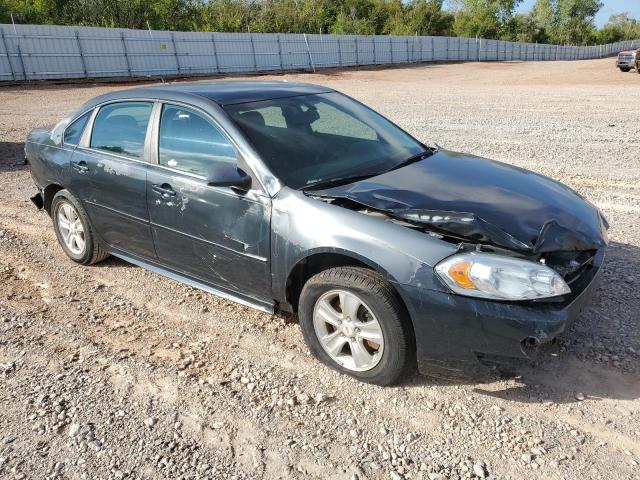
121, 128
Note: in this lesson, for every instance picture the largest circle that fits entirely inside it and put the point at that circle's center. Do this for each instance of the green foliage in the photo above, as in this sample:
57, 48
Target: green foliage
619, 27
484, 18
550, 21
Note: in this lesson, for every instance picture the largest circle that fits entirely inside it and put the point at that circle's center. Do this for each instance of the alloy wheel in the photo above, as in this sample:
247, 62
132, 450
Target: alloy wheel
71, 228
348, 330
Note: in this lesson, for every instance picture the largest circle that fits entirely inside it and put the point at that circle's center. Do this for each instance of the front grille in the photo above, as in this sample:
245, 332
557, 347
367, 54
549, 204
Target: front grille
625, 58
570, 265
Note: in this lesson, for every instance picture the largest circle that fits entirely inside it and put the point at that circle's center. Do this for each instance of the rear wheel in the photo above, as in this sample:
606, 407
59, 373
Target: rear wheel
73, 230
353, 321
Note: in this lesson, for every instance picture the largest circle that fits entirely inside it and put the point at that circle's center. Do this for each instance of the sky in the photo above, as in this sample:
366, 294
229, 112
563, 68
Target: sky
610, 7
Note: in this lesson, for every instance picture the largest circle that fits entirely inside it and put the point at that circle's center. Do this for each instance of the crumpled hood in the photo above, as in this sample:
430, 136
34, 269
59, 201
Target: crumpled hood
483, 201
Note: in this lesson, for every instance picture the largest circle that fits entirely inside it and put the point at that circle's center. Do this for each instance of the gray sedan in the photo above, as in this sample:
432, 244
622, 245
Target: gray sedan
296, 197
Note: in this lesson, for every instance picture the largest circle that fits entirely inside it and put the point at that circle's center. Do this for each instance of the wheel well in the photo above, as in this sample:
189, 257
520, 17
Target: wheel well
314, 264
47, 195
310, 266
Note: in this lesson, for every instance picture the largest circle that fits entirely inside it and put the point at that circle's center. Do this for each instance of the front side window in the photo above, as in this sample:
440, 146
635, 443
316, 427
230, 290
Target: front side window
121, 128
74, 131
318, 139
191, 143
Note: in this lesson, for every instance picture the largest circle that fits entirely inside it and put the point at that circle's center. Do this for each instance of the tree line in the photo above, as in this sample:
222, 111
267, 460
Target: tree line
569, 22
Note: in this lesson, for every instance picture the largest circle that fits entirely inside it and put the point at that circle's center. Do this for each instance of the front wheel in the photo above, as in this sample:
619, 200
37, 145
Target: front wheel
73, 230
624, 69
353, 321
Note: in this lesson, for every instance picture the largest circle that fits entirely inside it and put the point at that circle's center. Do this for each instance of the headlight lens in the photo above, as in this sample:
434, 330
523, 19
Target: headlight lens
498, 277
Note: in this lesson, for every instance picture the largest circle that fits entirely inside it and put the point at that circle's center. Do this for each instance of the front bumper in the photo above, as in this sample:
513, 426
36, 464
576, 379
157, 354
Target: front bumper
458, 335
626, 63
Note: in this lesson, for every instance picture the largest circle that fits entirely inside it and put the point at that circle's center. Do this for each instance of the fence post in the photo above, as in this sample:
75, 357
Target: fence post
253, 52
447, 48
126, 55
280, 51
175, 52
84, 65
339, 53
308, 51
375, 50
357, 52
6, 51
215, 52
24, 70
408, 61
391, 47
433, 50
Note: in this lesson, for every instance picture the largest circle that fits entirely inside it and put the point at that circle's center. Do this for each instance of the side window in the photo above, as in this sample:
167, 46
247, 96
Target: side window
189, 142
335, 122
74, 131
121, 128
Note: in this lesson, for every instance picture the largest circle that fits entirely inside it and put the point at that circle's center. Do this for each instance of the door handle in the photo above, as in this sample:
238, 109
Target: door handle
80, 166
163, 189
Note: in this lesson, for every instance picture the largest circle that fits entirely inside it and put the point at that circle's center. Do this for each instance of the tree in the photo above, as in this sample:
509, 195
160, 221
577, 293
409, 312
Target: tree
619, 27
484, 18
550, 21
542, 19
574, 22
426, 17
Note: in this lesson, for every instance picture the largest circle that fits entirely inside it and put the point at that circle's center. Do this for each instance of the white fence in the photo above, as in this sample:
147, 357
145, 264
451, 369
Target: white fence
37, 52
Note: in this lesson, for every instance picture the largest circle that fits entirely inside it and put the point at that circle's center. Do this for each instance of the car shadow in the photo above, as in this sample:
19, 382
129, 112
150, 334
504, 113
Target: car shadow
597, 358
12, 156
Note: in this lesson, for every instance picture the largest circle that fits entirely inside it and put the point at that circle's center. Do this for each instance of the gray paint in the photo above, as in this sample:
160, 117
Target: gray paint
244, 245
38, 52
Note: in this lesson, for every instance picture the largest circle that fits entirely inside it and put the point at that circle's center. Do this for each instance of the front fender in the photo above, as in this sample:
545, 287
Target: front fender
303, 226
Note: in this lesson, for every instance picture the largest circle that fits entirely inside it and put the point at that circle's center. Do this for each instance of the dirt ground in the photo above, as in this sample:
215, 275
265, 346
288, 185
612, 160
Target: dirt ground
115, 372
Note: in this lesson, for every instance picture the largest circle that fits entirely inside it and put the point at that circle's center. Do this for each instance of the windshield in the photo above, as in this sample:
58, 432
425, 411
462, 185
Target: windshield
322, 139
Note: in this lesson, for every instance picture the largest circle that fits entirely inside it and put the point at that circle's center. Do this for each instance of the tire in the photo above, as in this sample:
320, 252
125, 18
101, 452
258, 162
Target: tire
65, 205
624, 69
380, 306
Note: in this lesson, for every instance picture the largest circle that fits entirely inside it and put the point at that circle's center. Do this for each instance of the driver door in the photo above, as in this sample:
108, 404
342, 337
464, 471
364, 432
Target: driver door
215, 234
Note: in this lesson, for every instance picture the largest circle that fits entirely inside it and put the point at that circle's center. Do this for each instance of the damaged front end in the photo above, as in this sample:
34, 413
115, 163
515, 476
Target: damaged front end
486, 207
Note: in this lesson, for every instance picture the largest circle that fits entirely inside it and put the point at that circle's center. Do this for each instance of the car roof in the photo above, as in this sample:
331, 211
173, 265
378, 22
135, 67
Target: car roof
221, 92
230, 92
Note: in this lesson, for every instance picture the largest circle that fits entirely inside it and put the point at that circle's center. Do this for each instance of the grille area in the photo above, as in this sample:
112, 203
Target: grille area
570, 265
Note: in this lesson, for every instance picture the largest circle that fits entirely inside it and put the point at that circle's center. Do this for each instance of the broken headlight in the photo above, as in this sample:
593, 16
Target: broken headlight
500, 278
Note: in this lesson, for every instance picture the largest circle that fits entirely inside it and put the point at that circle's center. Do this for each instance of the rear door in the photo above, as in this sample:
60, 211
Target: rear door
109, 174
216, 234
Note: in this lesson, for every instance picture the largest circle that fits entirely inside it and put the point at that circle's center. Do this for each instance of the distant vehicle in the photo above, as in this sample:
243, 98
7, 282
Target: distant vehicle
627, 60
294, 196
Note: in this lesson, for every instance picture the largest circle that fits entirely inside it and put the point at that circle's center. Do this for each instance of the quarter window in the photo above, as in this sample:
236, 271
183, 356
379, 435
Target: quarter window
74, 131
191, 143
121, 128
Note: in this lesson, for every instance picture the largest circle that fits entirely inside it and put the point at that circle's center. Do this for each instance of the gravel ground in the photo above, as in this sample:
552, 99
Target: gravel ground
115, 372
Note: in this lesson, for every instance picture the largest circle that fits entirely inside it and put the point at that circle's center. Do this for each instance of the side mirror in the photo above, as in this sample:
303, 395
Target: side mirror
222, 174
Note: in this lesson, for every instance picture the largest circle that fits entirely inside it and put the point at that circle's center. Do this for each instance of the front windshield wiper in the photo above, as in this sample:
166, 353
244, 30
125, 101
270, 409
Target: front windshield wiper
337, 181
416, 158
